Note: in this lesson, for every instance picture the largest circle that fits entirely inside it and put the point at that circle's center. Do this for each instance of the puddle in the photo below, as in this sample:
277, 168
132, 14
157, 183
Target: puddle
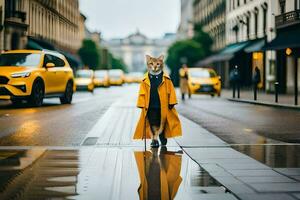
275, 156
103, 173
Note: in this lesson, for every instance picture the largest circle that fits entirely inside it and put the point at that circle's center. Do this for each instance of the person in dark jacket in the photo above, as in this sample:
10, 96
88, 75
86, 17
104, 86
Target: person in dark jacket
256, 77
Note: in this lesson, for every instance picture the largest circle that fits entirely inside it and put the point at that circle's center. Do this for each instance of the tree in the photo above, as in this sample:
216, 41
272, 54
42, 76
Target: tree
188, 51
89, 54
184, 51
117, 63
202, 38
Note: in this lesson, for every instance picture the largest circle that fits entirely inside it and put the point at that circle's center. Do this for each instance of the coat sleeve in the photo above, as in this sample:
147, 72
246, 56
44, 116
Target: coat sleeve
141, 102
172, 94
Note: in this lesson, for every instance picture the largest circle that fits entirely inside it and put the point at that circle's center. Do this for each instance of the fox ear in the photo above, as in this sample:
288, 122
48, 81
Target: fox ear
161, 57
148, 58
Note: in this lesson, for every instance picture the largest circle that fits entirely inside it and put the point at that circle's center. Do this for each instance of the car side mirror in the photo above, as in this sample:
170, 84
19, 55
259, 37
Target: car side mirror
50, 65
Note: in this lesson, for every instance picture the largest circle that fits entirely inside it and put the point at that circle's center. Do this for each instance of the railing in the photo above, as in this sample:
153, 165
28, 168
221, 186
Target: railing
287, 19
16, 14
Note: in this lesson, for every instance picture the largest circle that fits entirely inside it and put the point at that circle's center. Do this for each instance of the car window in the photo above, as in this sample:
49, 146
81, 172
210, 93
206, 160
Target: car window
84, 74
58, 62
100, 74
20, 59
202, 73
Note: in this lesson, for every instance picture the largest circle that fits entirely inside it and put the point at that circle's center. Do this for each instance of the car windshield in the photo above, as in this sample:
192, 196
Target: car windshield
115, 74
84, 74
100, 74
20, 59
202, 73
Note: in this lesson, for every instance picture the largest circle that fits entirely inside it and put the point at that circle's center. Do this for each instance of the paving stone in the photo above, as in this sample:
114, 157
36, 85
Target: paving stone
269, 196
252, 166
239, 189
239, 173
265, 179
276, 187
209, 197
289, 171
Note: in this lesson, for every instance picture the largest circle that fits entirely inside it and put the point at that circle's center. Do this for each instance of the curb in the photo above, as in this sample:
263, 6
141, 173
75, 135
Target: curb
262, 103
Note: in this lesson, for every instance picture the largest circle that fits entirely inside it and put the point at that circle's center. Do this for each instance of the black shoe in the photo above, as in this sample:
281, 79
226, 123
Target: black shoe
163, 140
154, 144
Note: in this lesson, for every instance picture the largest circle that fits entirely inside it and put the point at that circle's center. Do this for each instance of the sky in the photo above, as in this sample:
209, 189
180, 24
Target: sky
119, 18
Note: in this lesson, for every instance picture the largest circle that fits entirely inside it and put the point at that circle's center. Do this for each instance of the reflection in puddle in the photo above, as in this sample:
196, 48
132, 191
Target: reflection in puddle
159, 173
276, 156
102, 173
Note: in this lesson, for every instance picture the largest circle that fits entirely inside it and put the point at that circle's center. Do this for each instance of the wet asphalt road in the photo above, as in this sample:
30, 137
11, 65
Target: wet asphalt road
67, 125
240, 123
54, 124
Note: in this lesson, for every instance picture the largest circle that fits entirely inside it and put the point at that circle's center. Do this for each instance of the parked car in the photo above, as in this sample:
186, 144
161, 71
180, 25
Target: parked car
101, 78
116, 77
33, 75
204, 81
85, 80
134, 77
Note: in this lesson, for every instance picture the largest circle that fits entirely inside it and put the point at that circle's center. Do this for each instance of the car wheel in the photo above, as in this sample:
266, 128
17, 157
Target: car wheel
68, 95
212, 95
37, 95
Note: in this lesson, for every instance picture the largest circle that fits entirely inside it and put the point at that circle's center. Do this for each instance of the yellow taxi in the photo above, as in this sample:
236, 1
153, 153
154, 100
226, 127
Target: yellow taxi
101, 78
204, 81
134, 77
85, 80
33, 75
116, 77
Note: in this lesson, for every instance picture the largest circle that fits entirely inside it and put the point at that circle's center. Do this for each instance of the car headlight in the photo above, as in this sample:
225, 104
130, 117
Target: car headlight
20, 75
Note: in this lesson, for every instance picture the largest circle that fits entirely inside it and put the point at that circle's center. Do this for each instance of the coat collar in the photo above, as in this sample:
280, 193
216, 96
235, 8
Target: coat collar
147, 80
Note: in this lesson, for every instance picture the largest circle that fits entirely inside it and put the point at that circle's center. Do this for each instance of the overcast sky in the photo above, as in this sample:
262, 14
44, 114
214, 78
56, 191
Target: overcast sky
119, 18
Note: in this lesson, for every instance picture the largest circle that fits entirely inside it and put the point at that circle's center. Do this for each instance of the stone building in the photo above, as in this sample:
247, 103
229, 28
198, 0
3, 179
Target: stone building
287, 45
133, 49
185, 28
211, 15
39, 22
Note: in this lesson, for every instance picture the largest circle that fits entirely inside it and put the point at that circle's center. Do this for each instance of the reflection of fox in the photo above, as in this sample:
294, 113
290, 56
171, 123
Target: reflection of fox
157, 98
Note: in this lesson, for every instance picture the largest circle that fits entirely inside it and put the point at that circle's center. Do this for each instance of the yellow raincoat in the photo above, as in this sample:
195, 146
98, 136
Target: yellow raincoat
167, 97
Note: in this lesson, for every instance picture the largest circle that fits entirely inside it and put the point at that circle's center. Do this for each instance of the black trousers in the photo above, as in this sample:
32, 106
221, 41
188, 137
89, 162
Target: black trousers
154, 116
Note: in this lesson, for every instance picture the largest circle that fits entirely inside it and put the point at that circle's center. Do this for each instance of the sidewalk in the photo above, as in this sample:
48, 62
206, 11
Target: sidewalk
263, 98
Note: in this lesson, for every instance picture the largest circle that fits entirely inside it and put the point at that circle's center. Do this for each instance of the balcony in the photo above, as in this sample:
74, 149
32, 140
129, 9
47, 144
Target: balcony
16, 14
287, 19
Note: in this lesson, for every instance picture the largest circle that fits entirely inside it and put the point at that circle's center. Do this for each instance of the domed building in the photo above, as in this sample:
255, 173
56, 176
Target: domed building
133, 49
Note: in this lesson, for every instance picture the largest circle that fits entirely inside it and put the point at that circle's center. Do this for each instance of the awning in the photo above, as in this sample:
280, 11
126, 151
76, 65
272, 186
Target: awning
33, 45
226, 54
73, 61
255, 46
283, 40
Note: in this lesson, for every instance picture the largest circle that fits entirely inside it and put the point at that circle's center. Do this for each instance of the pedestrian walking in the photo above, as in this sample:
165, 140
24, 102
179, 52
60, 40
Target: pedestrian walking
256, 77
184, 78
157, 99
234, 78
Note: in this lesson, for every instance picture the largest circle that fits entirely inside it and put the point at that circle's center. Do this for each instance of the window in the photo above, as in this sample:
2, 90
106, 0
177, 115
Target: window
58, 62
20, 59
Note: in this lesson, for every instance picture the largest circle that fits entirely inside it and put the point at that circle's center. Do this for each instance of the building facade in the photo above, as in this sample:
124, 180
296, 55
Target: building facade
249, 24
133, 49
55, 22
185, 28
287, 45
211, 16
